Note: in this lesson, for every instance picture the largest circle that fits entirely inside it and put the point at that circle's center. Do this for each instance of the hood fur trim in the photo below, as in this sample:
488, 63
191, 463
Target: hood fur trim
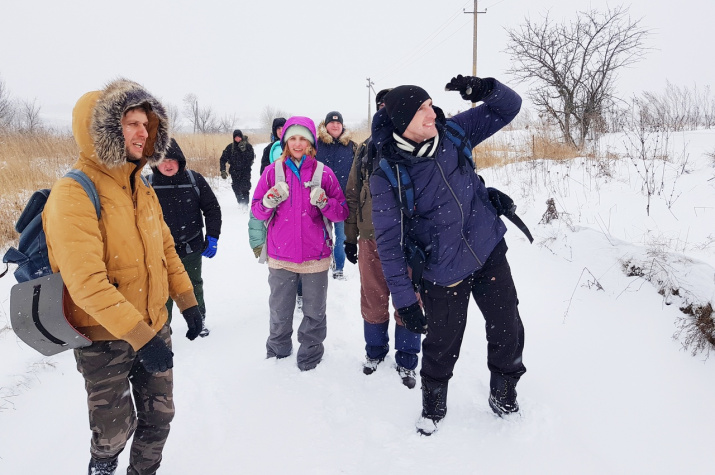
325, 137
106, 127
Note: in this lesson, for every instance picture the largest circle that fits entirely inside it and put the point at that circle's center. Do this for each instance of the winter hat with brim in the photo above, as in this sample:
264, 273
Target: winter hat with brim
297, 125
402, 104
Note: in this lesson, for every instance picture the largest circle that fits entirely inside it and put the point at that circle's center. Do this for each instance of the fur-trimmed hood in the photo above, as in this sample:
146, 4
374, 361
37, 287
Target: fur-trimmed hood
325, 137
97, 128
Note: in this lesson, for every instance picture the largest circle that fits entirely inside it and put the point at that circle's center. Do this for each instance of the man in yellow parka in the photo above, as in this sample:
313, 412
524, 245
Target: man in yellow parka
119, 271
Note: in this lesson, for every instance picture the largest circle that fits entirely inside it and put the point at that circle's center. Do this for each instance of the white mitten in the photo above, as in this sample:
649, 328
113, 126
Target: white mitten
276, 195
318, 197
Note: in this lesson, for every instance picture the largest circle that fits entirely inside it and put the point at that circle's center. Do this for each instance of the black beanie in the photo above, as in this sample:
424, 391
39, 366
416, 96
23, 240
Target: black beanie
402, 103
237, 133
333, 116
174, 152
380, 97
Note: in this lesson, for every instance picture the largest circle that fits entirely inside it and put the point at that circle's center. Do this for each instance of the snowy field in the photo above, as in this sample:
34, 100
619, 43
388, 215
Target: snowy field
607, 388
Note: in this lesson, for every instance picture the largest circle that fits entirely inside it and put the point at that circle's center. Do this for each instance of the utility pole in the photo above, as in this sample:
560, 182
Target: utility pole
474, 48
369, 103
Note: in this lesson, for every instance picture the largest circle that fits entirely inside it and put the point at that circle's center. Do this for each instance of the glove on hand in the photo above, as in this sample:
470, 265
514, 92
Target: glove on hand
224, 175
471, 88
501, 202
155, 356
413, 318
257, 251
276, 195
194, 320
211, 246
351, 252
318, 197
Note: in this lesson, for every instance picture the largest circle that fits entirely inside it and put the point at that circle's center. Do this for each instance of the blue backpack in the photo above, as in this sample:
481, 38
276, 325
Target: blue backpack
31, 254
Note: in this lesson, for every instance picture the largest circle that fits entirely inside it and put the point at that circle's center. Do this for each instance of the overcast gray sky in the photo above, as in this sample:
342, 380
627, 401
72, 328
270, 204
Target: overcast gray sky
306, 57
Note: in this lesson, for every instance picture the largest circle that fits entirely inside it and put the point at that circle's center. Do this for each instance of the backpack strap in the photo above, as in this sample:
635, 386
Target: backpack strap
280, 177
401, 186
80, 177
192, 177
458, 137
149, 181
315, 181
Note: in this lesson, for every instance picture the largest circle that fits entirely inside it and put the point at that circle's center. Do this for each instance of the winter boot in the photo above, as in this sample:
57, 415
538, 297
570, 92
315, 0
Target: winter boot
434, 406
502, 397
370, 364
408, 376
338, 275
204, 331
102, 466
299, 302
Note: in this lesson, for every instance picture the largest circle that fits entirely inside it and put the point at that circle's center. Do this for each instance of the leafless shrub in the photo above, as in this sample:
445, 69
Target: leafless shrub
550, 214
696, 330
28, 117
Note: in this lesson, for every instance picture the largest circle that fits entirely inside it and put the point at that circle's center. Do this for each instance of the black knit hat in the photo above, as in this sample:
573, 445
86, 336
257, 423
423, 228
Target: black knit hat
380, 97
402, 103
238, 133
174, 153
333, 116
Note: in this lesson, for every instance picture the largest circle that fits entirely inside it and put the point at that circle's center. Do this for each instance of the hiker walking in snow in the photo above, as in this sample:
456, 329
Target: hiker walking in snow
273, 150
119, 271
296, 199
186, 201
239, 156
361, 249
336, 150
453, 221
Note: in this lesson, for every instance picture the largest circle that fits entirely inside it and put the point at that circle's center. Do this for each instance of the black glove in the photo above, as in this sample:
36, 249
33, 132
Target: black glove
413, 318
471, 88
155, 356
501, 202
351, 252
194, 320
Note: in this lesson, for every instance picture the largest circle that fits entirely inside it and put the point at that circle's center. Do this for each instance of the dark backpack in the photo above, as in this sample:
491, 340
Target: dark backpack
31, 253
37, 301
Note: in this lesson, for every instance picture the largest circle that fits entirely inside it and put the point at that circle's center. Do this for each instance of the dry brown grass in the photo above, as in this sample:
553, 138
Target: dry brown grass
504, 149
32, 162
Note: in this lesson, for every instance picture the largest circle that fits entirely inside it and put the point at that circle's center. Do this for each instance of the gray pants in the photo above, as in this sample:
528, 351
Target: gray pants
313, 328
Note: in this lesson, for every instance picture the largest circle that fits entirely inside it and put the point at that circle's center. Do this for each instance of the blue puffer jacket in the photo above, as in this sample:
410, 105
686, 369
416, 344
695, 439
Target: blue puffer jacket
337, 154
453, 214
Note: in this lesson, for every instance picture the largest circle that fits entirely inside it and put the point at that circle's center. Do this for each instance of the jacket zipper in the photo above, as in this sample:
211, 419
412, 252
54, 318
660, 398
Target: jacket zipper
461, 212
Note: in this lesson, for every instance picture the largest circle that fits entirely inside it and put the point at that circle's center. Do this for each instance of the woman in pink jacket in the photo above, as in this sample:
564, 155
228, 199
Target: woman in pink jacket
298, 241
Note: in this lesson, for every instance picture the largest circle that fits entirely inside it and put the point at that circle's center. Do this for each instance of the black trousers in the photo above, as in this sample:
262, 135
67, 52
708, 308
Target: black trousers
241, 192
446, 310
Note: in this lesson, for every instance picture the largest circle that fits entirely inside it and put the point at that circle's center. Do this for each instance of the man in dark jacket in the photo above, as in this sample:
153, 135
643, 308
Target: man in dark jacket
336, 150
186, 201
361, 249
276, 131
239, 156
453, 221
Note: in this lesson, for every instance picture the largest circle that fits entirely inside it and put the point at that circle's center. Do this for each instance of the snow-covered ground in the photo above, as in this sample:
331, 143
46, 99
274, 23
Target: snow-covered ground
608, 390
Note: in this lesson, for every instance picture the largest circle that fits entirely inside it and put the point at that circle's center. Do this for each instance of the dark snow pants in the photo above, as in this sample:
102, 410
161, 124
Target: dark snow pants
239, 189
313, 328
115, 382
446, 310
192, 264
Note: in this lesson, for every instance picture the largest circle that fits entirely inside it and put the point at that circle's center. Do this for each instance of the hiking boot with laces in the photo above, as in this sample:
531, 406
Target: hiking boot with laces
502, 396
408, 376
370, 364
102, 466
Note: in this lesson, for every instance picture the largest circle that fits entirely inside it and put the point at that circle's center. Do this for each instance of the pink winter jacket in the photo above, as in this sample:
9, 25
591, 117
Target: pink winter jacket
297, 231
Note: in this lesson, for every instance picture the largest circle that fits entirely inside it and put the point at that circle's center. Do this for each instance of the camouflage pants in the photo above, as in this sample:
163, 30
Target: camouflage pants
115, 382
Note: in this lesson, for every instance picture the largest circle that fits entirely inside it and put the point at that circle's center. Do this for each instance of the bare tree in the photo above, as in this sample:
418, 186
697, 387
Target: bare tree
269, 113
7, 108
174, 116
573, 66
191, 110
227, 123
28, 117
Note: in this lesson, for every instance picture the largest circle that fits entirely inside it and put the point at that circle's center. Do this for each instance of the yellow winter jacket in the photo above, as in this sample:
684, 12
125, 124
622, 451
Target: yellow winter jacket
119, 270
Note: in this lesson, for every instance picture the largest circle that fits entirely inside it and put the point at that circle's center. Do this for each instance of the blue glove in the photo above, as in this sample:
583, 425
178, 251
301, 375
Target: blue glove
211, 246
